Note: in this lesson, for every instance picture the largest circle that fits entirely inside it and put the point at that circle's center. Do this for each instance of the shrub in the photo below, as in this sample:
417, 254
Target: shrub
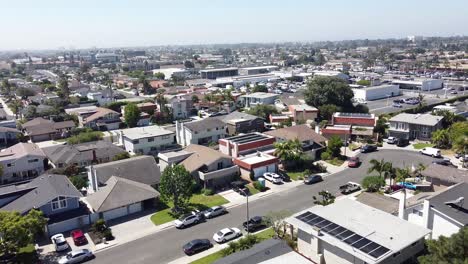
85, 137
242, 244
100, 225
373, 183
325, 155
257, 185
207, 191
107, 233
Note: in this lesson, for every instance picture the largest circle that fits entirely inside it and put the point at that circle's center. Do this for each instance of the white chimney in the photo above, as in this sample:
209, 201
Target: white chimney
317, 128
402, 205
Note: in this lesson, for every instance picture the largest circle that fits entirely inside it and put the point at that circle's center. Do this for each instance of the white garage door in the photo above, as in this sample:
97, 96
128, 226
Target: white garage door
115, 213
135, 208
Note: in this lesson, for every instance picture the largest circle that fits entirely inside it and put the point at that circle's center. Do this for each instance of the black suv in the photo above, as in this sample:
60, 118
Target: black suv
402, 142
368, 148
255, 223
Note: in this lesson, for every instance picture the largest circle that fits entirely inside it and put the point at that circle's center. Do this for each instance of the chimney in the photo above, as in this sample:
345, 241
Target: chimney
236, 150
402, 205
317, 129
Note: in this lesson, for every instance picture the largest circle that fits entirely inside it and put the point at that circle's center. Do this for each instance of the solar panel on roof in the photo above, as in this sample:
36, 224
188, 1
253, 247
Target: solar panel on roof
369, 247
353, 239
330, 227
361, 243
337, 231
323, 223
316, 220
345, 234
301, 216
379, 252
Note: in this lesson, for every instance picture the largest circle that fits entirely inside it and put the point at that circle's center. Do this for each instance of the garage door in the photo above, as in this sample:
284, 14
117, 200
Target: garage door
115, 213
135, 208
271, 168
259, 171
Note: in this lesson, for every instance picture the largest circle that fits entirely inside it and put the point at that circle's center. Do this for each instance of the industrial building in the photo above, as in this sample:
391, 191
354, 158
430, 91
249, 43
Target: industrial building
257, 70
420, 84
220, 72
376, 92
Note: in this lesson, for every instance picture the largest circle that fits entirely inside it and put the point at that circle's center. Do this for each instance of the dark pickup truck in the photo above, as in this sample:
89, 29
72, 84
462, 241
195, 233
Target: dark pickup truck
350, 187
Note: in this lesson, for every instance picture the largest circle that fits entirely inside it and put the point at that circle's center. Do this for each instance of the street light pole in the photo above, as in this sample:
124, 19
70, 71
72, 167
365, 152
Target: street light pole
248, 218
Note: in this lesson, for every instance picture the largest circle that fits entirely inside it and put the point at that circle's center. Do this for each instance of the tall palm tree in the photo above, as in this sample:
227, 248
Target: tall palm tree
378, 166
402, 174
389, 171
289, 151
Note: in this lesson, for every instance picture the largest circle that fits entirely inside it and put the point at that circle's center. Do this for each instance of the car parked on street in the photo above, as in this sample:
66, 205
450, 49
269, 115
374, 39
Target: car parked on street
391, 140
354, 162
433, 152
76, 256
78, 237
349, 188
402, 142
311, 179
214, 211
227, 234
444, 162
196, 246
254, 224
368, 148
272, 177
60, 243
397, 105
187, 220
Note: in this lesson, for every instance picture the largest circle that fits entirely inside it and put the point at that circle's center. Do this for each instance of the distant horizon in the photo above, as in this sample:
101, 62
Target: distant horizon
54, 24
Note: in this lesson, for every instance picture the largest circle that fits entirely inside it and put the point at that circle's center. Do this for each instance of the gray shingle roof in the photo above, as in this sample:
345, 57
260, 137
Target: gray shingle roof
445, 173
201, 156
208, 123
120, 192
43, 189
458, 213
69, 154
141, 169
301, 132
237, 116
20, 150
418, 119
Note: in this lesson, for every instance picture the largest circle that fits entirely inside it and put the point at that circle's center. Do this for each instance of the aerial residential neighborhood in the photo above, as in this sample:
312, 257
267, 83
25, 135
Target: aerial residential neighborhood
241, 132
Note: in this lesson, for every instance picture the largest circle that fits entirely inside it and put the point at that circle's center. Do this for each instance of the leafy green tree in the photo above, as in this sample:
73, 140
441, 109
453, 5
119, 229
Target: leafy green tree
326, 111
132, 115
453, 249
276, 220
361, 108
175, 186
121, 156
260, 88
373, 183
441, 138
83, 137
63, 86
79, 182
18, 231
381, 126
458, 130
329, 90
263, 111
379, 166
334, 146
326, 198
195, 99
188, 64
364, 82
160, 75
402, 174
289, 151
449, 117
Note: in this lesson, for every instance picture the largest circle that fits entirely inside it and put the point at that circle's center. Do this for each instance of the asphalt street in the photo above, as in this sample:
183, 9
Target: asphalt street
165, 246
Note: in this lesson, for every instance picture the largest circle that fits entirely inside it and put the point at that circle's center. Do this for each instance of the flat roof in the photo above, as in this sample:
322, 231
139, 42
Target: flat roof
260, 67
220, 69
255, 158
378, 87
144, 132
261, 95
247, 138
354, 115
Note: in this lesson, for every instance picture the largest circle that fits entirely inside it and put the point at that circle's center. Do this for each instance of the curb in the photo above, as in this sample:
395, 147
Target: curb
104, 248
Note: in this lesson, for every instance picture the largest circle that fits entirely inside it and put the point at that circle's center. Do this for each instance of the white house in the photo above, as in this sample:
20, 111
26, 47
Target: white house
20, 162
200, 132
147, 140
348, 231
253, 99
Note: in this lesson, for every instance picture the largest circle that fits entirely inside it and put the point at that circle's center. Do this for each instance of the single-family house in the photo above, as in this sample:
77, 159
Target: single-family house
102, 119
8, 136
21, 162
141, 169
414, 126
440, 175
83, 154
181, 106
201, 132
348, 231
303, 112
147, 140
351, 126
253, 99
238, 122
40, 129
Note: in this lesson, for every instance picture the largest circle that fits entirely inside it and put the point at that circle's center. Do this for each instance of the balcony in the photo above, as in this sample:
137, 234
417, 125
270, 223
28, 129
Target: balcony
218, 173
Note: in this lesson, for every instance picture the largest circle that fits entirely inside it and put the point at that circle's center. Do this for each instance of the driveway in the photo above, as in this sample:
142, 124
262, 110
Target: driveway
166, 245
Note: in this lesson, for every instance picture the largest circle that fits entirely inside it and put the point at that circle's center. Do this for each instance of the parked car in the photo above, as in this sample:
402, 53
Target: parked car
76, 256
254, 223
368, 148
395, 187
60, 243
239, 187
398, 101
397, 105
311, 179
284, 176
196, 245
391, 140
407, 185
78, 237
454, 92
402, 142
272, 177
227, 234
444, 162
433, 152
350, 187
354, 162
215, 211
187, 220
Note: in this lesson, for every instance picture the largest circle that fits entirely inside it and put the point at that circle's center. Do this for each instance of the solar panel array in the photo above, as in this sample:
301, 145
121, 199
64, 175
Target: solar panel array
361, 243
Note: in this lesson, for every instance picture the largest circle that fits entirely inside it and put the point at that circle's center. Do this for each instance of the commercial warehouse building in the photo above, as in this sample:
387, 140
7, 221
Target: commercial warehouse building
220, 72
376, 92
420, 84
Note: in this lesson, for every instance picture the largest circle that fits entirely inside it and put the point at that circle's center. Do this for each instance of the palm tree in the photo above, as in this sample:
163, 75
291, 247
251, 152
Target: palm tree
378, 166
419, 168
441, 138
388, 171
402, 174
289, 151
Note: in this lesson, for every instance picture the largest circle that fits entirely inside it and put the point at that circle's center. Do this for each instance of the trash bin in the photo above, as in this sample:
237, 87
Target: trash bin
262, 181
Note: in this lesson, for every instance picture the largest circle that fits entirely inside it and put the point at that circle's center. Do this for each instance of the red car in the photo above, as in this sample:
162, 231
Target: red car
78, 237
354, 162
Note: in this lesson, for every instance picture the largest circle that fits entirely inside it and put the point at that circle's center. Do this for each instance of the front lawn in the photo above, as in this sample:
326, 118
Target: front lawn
336, 161
252, 189
296, 175
263, 235
422, 145
198, 201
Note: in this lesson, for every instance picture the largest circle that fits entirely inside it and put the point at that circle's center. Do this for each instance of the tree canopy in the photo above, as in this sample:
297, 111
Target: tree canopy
453, 249
260, 88
176, 186
288, 151
329, 91
263, 111
132, 115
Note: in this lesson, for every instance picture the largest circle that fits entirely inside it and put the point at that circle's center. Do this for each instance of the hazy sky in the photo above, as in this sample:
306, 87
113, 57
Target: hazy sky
50, 24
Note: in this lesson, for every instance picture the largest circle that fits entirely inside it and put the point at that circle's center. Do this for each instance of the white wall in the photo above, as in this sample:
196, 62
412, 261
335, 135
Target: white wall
143, 146
21, 165
443, 226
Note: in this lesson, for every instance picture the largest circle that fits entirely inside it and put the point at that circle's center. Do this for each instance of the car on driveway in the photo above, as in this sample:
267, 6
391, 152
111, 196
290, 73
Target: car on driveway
402, 142
239, 187
76, 256
311, 179
187, 220
272, 177
407, 185
196, 245
60, 243
227, 234
254, 223
368, 148
78, 237
391, 140
354, 162
215, 211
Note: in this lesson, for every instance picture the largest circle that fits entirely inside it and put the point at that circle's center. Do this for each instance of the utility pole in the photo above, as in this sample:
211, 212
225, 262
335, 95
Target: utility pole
248, 218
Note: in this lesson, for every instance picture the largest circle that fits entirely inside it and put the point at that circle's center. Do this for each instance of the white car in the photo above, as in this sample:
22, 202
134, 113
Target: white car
59, 242
214, 211
434, 152
226, 234
391, 140
76, 256
187, 220
272, 177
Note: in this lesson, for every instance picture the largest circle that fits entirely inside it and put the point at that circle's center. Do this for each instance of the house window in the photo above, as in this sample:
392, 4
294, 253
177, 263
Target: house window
424, 133
151, 139
220, 165
33, 160
59, 203
418, 212
136, 141
10, 165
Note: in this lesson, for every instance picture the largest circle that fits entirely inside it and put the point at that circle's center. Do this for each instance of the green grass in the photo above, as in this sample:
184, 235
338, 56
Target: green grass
295, 175
422, 145
252, 189
198, 201
263, 235
335, 161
